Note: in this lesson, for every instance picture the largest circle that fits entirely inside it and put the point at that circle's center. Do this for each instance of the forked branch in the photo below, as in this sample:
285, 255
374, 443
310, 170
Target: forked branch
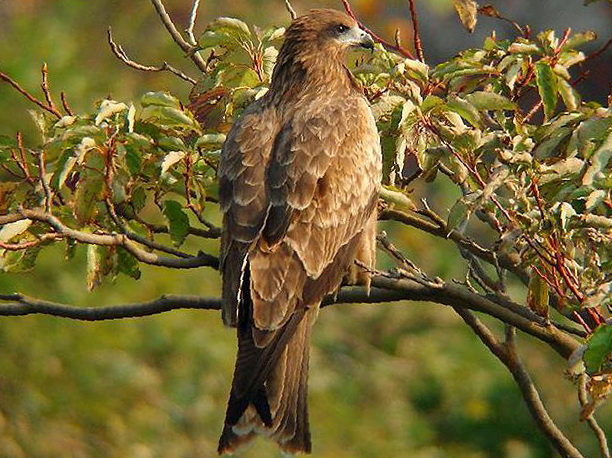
189, 49
507, 354
123, 57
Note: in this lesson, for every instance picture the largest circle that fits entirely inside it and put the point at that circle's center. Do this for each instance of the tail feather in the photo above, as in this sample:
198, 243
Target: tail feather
269, 390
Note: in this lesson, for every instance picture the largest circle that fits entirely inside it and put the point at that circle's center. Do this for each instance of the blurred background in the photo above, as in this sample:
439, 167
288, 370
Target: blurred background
386, 381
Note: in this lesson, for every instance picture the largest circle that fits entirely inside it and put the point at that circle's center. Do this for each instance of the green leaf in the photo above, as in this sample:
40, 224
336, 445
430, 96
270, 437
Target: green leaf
547, 87
579, 39
524, 47
468, 13
465, 109
107, 109
19, 261
127, 264
172, 158
490, 101
94, 270
599, 162
178, 221
599, 348
430, 102
11, 230
88, 194
138, 198
159, 99
168, 117
570, 96
537, 294
236, 76
226, 32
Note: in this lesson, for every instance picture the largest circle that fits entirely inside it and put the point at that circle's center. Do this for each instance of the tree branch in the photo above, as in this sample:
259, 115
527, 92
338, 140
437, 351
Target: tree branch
506, 353
192, 20
200, 260
462, 241
290, 9
21, 305
458, 296
122, 56
30, 97
415, 27
386, 289
190, 50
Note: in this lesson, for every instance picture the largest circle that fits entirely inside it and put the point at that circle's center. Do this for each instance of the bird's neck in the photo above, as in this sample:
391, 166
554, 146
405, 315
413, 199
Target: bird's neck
309, 74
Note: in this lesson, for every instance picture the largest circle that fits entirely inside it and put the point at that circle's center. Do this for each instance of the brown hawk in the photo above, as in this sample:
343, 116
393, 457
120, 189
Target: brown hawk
299, 178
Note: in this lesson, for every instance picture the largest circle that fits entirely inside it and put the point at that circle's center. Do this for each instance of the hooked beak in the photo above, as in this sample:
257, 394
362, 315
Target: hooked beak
357, 38
366, 41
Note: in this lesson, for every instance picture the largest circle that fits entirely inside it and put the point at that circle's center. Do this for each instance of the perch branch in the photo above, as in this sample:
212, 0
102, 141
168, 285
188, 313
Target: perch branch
122, 56
384, 289
20, 305
200, 260
189, 49
506, 353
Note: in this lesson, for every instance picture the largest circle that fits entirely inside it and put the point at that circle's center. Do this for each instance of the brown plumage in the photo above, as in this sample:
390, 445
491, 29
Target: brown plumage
299, 178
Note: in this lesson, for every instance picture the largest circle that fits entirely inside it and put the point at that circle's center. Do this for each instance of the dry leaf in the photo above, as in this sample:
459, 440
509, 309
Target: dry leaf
468, 12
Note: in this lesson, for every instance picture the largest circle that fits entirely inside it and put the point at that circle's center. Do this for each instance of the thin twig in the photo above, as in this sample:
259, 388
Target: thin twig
600, 434
212, 232
290, 9
22, 162
29, 96
67, 108
122, 56
189, 49
200, 260
43, 182
152, 244
533, 111
25, 245
598, 52
415, 27
462, 241
192, 20
45, 87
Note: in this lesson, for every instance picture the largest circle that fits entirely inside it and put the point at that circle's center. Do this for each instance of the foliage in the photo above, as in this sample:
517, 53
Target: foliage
538, 187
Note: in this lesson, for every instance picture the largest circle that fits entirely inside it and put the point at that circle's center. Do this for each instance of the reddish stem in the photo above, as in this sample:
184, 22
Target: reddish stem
415, 27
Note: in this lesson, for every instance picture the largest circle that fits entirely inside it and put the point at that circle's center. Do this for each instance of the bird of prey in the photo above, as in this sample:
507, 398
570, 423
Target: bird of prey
299, 177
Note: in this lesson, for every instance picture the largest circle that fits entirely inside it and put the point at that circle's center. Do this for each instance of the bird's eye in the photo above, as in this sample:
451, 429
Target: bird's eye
341, 28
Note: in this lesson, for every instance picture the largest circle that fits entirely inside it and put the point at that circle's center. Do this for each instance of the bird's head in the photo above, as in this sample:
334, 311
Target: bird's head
327, 31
